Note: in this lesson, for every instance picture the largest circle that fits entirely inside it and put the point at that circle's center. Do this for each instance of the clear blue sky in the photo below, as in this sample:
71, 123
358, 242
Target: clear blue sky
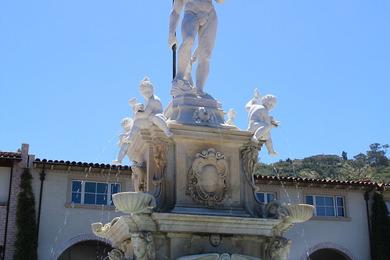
68, 68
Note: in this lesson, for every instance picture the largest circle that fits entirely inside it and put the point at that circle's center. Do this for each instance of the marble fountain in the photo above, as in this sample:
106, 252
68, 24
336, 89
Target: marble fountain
194, 191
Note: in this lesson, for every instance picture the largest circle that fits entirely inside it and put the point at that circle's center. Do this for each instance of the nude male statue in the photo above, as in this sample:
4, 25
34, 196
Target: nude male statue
199, 18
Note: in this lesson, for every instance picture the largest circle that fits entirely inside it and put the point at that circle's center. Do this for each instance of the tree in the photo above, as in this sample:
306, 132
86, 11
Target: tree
344, 155
380, 228
372, 165
26, 229
360, 160
376, 156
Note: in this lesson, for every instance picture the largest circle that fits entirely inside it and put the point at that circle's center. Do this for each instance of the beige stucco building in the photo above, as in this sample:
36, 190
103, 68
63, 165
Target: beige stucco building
71, 195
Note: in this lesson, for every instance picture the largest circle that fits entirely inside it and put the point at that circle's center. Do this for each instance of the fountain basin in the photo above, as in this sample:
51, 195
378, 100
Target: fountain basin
134, 202
299, 213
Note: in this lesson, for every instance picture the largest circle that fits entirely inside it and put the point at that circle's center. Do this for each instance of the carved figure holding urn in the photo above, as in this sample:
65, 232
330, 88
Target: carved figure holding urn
260, 122
199, 19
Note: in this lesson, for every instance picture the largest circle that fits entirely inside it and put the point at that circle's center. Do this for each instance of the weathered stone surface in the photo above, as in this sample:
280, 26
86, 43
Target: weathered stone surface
168, 222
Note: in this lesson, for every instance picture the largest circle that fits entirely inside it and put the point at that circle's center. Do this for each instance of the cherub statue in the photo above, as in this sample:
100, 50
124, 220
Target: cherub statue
127, 124
260, 123
256, 100
231, 116
150, 113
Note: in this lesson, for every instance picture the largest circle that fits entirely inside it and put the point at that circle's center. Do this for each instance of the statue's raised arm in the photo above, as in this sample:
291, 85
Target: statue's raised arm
200, 19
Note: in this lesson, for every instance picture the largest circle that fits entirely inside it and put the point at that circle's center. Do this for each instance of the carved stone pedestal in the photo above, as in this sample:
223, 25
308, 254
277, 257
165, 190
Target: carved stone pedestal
196, 110
195, 194
207, 170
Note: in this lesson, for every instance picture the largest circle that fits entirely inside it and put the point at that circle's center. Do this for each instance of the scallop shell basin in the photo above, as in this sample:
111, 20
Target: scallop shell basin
300, 212
134, 202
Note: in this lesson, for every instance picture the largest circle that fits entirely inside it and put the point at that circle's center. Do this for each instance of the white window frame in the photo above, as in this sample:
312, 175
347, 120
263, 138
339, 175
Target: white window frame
335, 206
82, 202
266, 193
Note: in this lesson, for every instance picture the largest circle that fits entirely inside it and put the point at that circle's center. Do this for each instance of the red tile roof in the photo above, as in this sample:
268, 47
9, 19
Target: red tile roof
10, 155
81, 164
358, 183
258, 178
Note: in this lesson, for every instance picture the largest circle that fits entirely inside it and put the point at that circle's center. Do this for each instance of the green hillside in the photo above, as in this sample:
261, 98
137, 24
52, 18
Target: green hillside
372, 165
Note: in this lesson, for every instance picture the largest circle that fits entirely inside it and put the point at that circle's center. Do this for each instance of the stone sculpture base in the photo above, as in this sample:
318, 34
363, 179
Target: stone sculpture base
193, 234
199, 182
178, 236
208, 172
196, 110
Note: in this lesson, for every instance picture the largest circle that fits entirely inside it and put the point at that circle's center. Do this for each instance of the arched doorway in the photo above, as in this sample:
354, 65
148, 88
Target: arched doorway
86, 250
328, 253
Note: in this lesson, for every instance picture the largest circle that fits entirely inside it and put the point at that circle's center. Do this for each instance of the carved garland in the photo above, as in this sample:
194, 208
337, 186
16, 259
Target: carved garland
207, 178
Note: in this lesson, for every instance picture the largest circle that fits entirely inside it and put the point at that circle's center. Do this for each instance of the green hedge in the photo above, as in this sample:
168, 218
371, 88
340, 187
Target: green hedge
380, 228
26, 235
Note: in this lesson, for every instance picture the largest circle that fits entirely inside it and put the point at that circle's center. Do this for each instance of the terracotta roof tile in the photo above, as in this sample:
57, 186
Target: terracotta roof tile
361, 183
82, 164
10, 155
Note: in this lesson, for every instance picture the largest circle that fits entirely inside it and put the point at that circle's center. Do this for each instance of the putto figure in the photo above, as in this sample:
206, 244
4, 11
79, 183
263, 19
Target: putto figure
127, 124
150, 113
144, 117
260, 122
231, 116
199, 19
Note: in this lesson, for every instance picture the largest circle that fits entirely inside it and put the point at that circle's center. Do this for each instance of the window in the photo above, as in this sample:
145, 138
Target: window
93, 193
327, 206
265, 197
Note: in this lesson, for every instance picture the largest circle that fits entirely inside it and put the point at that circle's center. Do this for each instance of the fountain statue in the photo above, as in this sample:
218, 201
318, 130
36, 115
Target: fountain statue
193, 194
260, 122
200, 19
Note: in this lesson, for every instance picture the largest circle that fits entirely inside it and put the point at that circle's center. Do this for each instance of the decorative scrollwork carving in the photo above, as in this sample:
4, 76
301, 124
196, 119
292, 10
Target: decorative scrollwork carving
139, 176
249, 154
216, 256
203, 116
207, 178
159, 156
160, 160
115, 254
278, 248
143, 245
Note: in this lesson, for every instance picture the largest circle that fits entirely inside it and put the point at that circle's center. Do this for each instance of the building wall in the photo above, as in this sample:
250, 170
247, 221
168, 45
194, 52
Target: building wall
5, 173
62, 225
17, 172
349, 235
